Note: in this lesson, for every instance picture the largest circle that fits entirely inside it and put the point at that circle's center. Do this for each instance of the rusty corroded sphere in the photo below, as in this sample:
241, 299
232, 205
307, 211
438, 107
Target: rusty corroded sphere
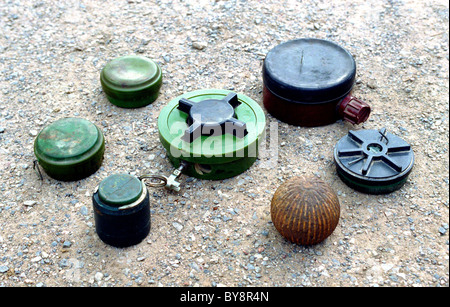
305, 210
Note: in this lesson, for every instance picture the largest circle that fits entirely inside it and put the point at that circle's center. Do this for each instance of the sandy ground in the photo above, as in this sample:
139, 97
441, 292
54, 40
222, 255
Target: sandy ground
219, 233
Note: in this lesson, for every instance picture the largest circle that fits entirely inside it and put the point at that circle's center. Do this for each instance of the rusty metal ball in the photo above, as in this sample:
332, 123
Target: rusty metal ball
305, 210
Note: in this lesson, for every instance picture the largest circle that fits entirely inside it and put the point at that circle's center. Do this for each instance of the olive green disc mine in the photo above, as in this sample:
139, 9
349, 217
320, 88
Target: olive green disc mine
70, 149
131, 81
120, 189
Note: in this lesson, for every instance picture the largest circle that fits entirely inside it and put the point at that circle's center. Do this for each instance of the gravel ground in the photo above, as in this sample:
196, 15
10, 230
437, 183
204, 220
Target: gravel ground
219, 233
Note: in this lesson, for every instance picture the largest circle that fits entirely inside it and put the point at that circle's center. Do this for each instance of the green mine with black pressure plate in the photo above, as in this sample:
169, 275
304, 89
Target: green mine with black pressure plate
212, 133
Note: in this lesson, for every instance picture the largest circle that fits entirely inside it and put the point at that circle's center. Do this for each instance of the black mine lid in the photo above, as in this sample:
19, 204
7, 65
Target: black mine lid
373, 161
309, 70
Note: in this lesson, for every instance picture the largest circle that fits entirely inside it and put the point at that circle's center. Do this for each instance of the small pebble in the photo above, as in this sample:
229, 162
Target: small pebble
199, 45
30, 203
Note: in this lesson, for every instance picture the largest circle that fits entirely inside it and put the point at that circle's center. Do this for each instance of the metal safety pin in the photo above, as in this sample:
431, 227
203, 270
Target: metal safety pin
170, 182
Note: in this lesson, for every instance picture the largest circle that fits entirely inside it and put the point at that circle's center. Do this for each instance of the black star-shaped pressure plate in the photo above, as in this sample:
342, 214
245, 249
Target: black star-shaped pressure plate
373, 161
211, 117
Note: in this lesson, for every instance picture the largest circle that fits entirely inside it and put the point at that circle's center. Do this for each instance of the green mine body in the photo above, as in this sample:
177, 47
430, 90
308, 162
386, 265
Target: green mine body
70, 149
131, 81
219, 154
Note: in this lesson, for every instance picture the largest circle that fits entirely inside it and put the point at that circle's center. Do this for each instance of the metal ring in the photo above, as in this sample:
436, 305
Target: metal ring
162, 180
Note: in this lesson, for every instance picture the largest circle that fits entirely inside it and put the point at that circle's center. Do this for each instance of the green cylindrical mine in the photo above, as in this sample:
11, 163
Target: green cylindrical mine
131, 81
70, 149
